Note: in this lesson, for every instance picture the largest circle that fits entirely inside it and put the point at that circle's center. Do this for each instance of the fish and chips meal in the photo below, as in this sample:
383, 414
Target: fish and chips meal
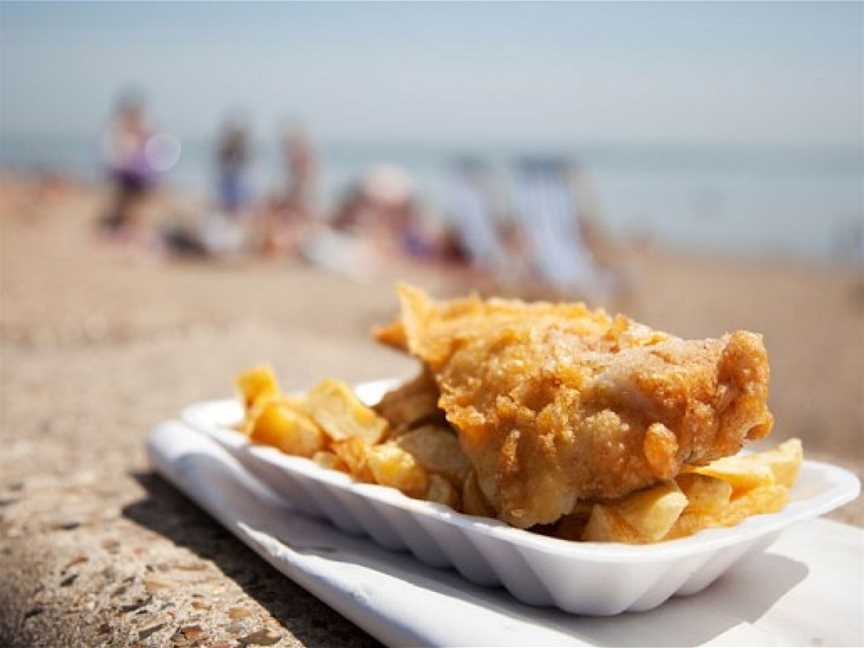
554, 418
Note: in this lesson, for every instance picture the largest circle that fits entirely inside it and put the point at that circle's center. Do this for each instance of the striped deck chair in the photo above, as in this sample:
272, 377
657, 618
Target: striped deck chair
470, 207
548, 213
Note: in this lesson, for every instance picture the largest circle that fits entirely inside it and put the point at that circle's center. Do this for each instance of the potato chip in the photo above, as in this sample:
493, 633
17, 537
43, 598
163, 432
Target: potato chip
354, 452
278, 424
437, 449
339, 412
329, 460
650, 513
473, 500
256, 383
742, 471
442, 491
760, 483
262, 402
392, 466
252, 413
689, 523
784, 461
411, 404
704, 494
762, 499
605, 525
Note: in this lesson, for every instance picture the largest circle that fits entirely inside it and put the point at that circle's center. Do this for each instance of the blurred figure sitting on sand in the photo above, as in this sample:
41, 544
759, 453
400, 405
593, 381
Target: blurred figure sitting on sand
383, 209
398, 227
131, 172
291, 214
301, 168
378, 223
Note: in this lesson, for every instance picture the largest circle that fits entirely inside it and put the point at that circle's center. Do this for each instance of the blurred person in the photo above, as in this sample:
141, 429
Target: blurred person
344, 244
131, 172
349, 214
381, 207
379, 220
233, 155
287, 218
301, 168
393, 215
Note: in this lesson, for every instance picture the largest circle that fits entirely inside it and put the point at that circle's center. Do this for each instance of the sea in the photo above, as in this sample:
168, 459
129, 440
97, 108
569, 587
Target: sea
746, 201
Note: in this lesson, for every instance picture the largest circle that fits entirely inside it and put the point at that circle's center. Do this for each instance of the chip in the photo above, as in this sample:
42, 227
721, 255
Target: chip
653, 511
689, 523
329, 460
473, 500
411, 404
437, 449
252, 413
257, 383
278, 424
759, 483
392, 466
354, 452
744, 472
784, 461
341, 414
762, 499
442, 491
605, 525
704, 494
644, 516
780, 465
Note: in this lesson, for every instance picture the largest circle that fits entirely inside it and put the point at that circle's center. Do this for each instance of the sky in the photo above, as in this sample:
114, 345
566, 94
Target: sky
771, 73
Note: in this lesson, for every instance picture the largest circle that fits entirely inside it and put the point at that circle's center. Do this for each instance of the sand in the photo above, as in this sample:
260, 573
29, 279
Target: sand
98, 345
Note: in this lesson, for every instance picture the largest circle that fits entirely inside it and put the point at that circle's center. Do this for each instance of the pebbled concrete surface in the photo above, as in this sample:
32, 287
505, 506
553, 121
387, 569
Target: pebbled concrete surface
97, 345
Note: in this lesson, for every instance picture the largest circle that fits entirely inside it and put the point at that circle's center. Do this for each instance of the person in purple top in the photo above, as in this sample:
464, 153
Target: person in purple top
130, 170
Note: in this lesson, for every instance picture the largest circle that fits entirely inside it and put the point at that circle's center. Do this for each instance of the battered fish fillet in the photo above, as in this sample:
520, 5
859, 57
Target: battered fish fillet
555, 403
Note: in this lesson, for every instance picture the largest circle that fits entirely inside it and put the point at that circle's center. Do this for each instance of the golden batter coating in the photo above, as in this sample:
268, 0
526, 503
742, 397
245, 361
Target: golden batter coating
555, 403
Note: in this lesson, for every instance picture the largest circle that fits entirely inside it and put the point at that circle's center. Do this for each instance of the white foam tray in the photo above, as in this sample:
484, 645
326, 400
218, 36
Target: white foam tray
577, 577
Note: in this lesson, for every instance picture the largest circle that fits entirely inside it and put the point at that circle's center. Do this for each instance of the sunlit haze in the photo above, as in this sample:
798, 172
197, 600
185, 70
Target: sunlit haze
752, 73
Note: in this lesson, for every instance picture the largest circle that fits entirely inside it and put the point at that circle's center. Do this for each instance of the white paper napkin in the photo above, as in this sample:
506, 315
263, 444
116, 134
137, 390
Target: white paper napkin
808, 589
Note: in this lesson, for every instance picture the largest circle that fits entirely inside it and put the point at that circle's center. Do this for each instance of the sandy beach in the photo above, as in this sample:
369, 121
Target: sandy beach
98, 345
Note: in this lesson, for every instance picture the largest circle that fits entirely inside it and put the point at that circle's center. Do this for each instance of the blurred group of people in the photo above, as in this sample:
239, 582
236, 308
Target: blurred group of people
235, 221
538, 232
